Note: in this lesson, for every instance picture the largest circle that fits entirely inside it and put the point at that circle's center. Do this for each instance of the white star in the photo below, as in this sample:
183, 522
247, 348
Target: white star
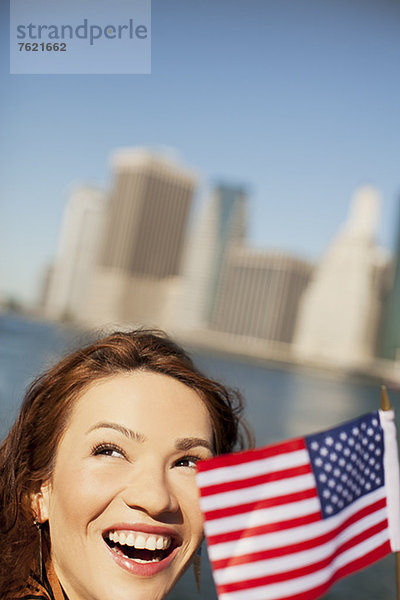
338, 446
378, 481
346, 451
342, 462
351, 441
333, 457
343, 436
322, 477
363, 425
314, 445
329, 509
336, 472
378, 437
378, 452
326, 493
372, 461
373, 476
370, 431
335, 499
368, 485
329, 440
339, 488
355, 431
318, 461
331, 483
353, 457
374, 422
340, 504
371, 447
377, 467
323, 451
328, 467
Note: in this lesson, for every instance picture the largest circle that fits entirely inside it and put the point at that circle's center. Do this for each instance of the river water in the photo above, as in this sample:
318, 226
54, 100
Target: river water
280, 403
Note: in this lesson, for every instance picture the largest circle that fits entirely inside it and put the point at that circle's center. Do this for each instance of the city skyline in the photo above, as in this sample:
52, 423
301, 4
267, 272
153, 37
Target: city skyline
131, 260
295, 101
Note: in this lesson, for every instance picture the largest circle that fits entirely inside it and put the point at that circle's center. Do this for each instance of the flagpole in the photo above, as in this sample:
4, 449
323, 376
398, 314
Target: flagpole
385, 405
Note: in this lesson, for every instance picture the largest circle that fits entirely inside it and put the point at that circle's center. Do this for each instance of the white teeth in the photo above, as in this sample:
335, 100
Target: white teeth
122, 538
140, 541
140, 560
160, 543
167, 543
151, 543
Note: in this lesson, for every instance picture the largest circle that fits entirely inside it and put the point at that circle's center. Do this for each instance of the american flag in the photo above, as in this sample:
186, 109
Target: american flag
284, 522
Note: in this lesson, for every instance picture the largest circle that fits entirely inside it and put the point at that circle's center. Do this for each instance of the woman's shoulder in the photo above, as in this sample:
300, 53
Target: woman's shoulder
29, 594
33, 590
48, 589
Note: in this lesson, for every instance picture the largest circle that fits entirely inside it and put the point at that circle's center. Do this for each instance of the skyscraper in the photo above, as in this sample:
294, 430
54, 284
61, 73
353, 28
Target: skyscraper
220, 226
340, 310
69, 276
389, 346
259, 294
141, 254
147, 216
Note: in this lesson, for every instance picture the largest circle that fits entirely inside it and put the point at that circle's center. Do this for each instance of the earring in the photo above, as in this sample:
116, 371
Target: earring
197, 568
40, 552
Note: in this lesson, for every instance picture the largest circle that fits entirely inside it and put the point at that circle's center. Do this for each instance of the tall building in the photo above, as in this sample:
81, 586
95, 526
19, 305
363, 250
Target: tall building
340, 310
389, 346
141, 256
259, 294
68, 279
220, 226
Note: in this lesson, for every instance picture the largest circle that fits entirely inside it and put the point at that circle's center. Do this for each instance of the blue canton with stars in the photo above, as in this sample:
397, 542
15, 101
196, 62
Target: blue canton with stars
347, 462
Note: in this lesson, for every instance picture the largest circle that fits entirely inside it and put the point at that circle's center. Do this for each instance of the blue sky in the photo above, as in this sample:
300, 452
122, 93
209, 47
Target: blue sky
296, 99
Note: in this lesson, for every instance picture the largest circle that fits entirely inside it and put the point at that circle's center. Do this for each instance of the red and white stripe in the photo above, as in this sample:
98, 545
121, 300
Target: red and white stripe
265, 533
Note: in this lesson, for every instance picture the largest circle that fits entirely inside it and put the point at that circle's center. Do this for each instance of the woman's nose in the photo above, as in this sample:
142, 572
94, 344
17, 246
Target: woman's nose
150, 490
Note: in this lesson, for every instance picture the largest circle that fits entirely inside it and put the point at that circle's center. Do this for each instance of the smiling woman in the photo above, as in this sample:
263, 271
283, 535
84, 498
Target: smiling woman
97, 476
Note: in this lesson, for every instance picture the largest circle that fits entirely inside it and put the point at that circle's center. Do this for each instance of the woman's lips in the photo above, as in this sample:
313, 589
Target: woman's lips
142, 569
141, 549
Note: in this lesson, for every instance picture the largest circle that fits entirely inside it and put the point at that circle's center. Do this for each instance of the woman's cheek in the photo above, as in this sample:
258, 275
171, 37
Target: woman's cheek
92, 486
188, 495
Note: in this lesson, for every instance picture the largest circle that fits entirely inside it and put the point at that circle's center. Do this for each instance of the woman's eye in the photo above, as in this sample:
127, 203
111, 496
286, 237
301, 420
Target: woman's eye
187, 461
108, 450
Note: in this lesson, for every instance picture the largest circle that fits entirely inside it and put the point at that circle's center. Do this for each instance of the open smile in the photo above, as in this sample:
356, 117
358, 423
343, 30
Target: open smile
140, 552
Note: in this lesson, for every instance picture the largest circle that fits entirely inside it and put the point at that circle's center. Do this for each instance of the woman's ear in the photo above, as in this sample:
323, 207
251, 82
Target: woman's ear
40, 503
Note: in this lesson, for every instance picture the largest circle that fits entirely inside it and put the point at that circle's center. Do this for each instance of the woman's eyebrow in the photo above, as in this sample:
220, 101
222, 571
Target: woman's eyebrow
129, 433
181, 444
191, 442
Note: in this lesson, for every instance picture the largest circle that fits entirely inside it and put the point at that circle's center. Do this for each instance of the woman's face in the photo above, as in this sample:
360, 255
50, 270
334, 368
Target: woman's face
122, 503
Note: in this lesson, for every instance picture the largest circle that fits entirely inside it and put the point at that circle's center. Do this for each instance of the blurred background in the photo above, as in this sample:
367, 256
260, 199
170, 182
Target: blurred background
244, 197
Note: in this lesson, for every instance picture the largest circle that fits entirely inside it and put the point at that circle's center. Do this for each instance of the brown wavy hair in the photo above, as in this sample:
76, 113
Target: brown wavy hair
27, 455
